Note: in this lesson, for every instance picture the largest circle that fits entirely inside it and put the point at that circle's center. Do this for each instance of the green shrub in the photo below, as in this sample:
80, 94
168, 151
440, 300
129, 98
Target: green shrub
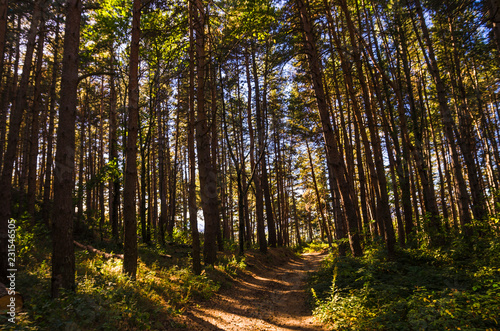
421, 289
105, 298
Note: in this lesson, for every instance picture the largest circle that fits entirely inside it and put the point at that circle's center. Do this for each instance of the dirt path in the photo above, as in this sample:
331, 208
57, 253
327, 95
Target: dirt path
264, 298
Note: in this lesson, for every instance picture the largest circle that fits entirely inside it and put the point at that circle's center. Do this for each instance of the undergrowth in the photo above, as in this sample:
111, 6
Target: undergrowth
105, 298
314, 246
452, 288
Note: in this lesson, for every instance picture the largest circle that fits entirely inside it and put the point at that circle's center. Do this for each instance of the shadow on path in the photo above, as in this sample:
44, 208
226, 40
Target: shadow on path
264, 298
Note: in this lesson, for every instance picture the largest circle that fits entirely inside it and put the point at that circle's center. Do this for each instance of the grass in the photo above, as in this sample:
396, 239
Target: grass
106, 299
314, 246
453, 288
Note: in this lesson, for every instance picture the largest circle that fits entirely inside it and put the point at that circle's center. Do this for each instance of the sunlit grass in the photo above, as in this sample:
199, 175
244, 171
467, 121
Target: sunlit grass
457, 287
105, 298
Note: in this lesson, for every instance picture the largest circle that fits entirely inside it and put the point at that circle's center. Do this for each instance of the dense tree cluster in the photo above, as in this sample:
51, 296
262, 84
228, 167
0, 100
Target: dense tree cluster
264, 122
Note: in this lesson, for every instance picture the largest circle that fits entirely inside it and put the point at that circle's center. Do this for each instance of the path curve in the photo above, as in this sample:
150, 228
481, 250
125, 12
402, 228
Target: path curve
263, 298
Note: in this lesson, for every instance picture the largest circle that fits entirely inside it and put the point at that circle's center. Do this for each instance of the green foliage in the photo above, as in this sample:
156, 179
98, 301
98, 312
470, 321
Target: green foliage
31, 240
315, 246
421, 289
106, 299
109, 171
231, 264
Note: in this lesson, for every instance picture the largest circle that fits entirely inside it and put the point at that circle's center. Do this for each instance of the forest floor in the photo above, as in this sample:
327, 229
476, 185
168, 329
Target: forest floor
269, 295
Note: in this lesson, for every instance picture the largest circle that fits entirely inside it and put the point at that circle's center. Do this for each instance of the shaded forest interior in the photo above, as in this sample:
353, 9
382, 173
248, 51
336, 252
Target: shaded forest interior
179, 131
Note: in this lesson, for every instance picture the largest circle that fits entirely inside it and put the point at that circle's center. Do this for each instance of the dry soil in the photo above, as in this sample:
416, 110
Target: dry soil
269, 295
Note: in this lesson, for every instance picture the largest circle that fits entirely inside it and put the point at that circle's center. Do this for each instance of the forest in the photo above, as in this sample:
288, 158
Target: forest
152, 151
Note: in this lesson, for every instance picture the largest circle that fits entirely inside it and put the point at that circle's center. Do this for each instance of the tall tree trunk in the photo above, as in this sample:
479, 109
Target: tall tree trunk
13, 138
333, 155
46, 207
11, 92
4, 6
114, 183
492, 11
162, 178
102, 208
319, 205
271, 227
402, 165
207, 176
173, 176
259, 196
383, 209
5, 92
63, 256
129, 189
144, 151
35, 125
467, 139
193, 209
251, 135
294, 204
447, 120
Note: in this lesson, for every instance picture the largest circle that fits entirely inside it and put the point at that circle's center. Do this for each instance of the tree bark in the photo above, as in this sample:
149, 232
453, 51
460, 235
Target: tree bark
492, 9
259, 196
206, 171
334, 157
193, 209
448, 123
271, 226
63, 254
13, 138
114, 183
4, 5
35, 126
248, 236
319, 205
129, 190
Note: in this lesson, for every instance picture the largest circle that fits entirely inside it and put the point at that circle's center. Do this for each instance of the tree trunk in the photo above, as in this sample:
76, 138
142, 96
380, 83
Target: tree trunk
63, 253
448, 123
4, 6
271, 227
492, 9
102, 208
259, 196
35, 125
248, 236
193, 209
334, 157
129, 190
13, 138
173, 176
207, 176
467, 139
319, 205
114, 183
3, 92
